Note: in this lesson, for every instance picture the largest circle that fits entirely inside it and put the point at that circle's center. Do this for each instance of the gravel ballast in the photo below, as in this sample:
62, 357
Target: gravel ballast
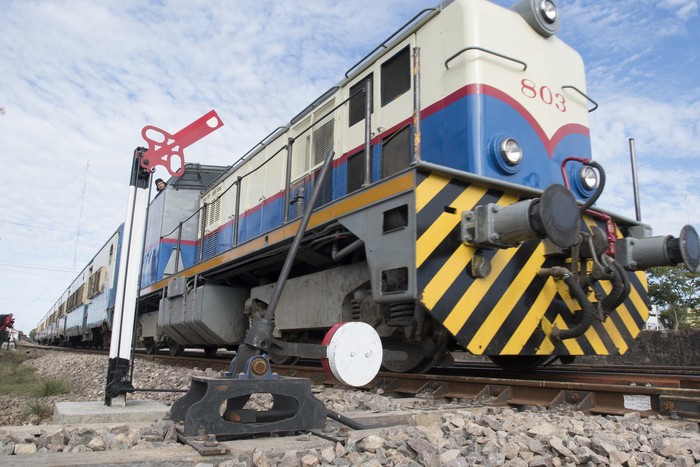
450, 434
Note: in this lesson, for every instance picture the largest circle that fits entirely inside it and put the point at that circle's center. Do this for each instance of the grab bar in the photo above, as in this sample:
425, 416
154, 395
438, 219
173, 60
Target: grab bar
447, 62
595, 104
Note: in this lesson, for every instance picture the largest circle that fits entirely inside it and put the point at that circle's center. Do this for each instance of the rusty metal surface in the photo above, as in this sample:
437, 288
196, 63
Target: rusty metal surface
205, 445
589, 393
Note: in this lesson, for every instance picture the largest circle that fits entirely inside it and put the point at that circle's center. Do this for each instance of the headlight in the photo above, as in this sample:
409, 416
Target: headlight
548, 10
588, 177
511, 152
505, 153
541, 15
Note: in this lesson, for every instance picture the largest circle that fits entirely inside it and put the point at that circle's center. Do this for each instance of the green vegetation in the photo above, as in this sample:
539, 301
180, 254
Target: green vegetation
16, 378
22, 380
52, 387
677, 294
40, 408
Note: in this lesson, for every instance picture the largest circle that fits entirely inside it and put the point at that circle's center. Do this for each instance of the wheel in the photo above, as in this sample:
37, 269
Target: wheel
520, 362
106, 340
210, 350
415, 357
282, 359
175, 350
151, 347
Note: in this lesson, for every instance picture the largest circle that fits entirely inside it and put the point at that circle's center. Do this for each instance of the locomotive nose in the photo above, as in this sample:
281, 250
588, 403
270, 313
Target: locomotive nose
643, 253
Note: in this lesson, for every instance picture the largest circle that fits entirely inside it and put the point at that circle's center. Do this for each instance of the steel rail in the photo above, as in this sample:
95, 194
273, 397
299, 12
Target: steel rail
591, 392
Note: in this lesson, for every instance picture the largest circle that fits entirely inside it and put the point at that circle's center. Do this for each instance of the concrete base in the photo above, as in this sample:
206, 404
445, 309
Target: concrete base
97, 412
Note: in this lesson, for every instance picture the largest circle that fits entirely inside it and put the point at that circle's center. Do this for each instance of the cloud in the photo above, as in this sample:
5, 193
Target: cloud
684, 9
630, 22
77, 92
666, 136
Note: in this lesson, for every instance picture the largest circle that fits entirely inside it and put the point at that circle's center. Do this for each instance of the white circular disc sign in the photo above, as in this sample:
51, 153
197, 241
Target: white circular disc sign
354, 353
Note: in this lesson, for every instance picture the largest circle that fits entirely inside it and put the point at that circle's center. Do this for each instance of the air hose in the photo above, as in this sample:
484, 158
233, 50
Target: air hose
587, 309
620, 287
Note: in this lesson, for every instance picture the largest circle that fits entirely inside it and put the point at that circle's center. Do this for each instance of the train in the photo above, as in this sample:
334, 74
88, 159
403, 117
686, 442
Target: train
460, 213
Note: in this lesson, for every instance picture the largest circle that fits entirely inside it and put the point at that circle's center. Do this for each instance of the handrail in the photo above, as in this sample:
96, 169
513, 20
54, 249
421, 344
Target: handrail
368, 132
237, 219
342, 103
231, 168
264, 162
284, 147
383, 44
595, 104
447, 62
322, 98
263, 142
288, 178
177, 250
239, 179
185, 220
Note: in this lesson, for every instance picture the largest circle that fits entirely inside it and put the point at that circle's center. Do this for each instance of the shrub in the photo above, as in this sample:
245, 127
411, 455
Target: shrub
52, 387
40, 408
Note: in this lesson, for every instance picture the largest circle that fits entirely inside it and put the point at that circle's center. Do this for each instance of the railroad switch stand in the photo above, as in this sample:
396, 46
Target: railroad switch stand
220, 405
352, 352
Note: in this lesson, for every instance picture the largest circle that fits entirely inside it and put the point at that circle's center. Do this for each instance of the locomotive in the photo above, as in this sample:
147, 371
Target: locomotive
459, 213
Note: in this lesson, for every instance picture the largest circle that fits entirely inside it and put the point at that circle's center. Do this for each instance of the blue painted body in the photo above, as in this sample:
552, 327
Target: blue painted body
459, 136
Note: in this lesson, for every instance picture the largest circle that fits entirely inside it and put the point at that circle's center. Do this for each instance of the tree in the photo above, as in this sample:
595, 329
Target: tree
32, 334
676, 292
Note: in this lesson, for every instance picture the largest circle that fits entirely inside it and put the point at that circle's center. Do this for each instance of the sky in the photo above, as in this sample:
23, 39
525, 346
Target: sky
80, 78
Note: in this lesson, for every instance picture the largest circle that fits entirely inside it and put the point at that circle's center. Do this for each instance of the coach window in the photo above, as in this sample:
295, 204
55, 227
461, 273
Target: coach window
356, 171
396, 76
396, 152
357, 101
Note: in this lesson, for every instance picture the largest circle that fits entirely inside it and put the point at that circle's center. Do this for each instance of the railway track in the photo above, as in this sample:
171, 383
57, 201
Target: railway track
592, 393
596, 389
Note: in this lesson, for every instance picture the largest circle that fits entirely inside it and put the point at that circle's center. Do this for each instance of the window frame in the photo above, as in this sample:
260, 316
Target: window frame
354, 111
388, 76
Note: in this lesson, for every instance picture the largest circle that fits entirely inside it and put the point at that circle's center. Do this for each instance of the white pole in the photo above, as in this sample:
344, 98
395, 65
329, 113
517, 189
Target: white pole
635, 182
118, 375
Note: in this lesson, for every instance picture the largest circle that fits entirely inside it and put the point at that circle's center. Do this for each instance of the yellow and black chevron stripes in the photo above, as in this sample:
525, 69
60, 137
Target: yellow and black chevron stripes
510, 311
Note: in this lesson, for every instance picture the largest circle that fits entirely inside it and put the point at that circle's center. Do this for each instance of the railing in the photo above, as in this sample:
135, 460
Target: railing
210, 244
481, 49
383, 44
595, 104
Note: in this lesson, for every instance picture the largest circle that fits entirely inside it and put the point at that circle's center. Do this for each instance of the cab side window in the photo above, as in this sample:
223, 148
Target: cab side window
396, 76
357, 101
396, 152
